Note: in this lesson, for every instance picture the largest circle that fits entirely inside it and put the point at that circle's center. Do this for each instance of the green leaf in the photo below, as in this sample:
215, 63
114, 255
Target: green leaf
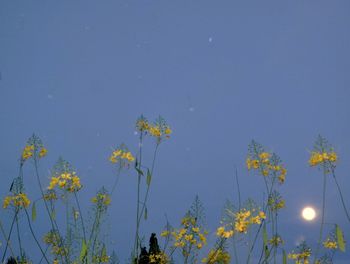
265, 238
149, 178
146, 213
340, 238
284, 260
265, 241
53, 215
33, 212
83, 251
140, 172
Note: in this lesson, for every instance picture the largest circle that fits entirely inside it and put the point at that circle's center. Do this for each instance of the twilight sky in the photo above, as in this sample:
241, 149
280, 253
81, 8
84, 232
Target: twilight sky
79, 73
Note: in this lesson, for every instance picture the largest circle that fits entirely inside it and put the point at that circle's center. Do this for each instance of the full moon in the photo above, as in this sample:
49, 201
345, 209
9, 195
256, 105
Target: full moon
308, 213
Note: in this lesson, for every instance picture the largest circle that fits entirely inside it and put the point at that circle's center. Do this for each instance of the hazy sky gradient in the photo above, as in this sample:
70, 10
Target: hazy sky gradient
79, 73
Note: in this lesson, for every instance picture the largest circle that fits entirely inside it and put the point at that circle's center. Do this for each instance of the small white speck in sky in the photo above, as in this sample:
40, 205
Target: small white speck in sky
191, 109
210, 39
49, 96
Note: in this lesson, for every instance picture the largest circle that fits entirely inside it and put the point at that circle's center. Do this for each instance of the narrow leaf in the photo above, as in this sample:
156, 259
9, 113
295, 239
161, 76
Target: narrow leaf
149, 178
146, 213
33, 212
83, 251
53, 215
340, 238
265, 238
140, 172
284, 260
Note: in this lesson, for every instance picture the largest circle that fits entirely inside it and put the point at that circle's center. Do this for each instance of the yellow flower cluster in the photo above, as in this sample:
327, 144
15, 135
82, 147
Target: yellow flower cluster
160, 258
264, 164
19, 201
190, 234
276, 203
301, 257
101, 258
102, 198
50, 195
217, 256
244, 218
157, 130
52, 239
28, 152
276, 241
66, 181
121, 155
221, 232
330, 244
317, 158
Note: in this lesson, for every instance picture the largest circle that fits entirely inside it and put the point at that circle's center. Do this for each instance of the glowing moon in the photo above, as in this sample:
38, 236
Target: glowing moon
308, 213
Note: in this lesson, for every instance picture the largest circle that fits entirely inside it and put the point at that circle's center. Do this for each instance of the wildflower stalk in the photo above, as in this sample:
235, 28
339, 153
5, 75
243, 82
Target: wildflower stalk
81, 216
5, 237
340, 192
53, 223
36, 240
19, 237
148, 185
136, 244
116, 180
9, 236
323, 211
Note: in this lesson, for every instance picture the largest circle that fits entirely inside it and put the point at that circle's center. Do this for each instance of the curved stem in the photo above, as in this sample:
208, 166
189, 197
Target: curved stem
341, 194
53, 223
9, 236
81, 216
36, 240
19, 237
322, 217
148, 186
5, 237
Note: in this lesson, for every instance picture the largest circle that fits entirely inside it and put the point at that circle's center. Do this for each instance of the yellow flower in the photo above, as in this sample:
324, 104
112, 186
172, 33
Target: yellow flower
62, 183
7, 202
42, 152
20, 200
165, 233
330, 244
155, 131
167, 131
54, 181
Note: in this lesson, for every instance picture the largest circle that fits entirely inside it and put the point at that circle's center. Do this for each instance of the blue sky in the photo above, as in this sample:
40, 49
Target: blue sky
79, 73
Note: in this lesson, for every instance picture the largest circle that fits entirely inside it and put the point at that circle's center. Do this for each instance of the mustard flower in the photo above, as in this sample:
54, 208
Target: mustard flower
17, 200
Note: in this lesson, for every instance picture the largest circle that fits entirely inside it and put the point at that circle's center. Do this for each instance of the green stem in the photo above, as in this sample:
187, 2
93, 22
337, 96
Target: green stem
136, 244
9, 236
5, 237
19, 237
340, 193
53, 223
81, 216
148, 186
322, 216
36, 240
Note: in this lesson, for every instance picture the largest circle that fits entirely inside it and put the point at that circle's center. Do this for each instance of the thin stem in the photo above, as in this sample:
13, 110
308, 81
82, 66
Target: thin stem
116, 180
136, 244
53, 223
148, 185
19, 237
340, 193
5, 237
323, 211
9, 236
81, 216
36, 240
